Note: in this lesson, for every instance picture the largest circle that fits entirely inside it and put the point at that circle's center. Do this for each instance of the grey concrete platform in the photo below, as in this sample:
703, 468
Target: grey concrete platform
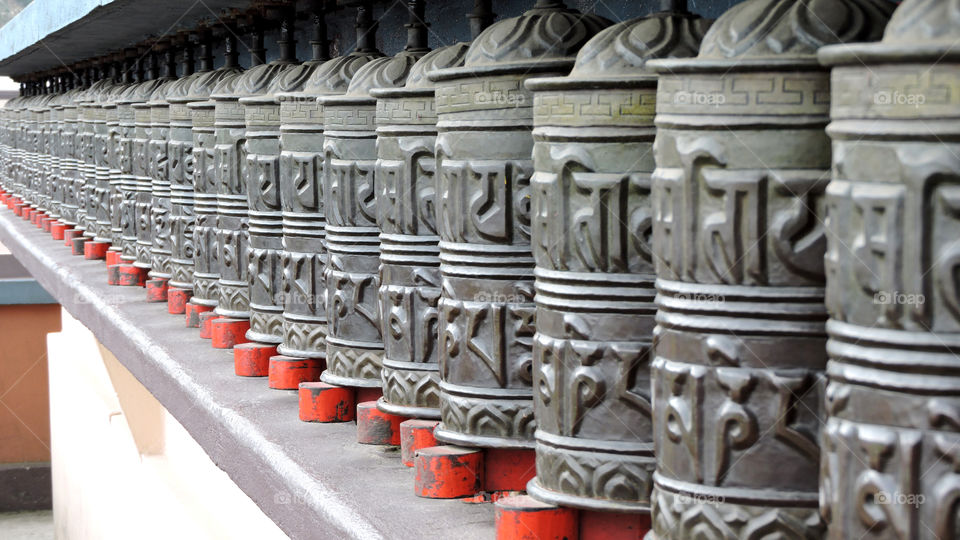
313, 480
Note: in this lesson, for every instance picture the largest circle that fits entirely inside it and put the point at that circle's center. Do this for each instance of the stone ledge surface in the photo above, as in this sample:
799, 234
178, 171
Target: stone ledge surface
313, 480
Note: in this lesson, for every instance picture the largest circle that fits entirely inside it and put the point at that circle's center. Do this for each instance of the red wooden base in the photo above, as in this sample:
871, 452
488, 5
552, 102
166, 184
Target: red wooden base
377, 427
113, 274
157, 290
521, 517
93, 250
252, 359
448, 472
69, 235
37, 219
46, 222
177, 300
57, 229
193, 312
287, 372
77, 244
326, 403
131, 276
206, 320
508, 469
595, 525
414, 435
226, 332
113, 257
19, 208
25, 211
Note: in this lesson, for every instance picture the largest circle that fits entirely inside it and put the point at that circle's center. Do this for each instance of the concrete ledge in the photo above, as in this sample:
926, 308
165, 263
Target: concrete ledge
313, 480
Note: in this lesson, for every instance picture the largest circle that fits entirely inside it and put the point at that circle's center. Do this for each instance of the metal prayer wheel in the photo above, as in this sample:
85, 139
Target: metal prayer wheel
738, 203
409, 245
57, 175
354, 339
98, 208
147, 155
94, 174
69, 164
130, 156
890, 466
591, 227
262, 119
235, 171
301, 196
484, 168
115, 154
159, 171
206, 173
181, 161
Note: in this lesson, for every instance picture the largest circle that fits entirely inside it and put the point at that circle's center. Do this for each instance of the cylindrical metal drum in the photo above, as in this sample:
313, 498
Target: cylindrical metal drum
484, 166
591, 227
354, 342
409, 245
206, 270
159, 170
234, 145
890, 463
301, 198
742, 165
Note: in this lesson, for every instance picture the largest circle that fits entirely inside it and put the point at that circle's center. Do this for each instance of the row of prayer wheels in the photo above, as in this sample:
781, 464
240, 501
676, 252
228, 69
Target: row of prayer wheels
671, 255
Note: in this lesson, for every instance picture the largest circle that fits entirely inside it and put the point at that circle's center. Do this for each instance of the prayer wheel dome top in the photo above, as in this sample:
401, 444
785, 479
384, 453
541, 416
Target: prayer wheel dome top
924, 20
179, 90
257, 80
387, 72
159, 96
207, 82
768, 34
139, 92
621, 51
624, 48
545, 38
442, 58
294, 79
920, 30
334, 76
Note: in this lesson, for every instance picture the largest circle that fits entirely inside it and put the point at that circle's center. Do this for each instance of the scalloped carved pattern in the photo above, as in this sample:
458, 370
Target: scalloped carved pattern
759, 28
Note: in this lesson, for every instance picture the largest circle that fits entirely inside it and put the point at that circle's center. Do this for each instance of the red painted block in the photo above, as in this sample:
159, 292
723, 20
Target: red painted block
177, 300
113, 274
448, 472
57, 229
77, 244
18, 209
226, 332
131, 276
206, 320
377, 427
37, 219
287, 372
521, 517
113, 257
508, 469
596, 525
26, 211
414, 435
95, 250
193, 312
326, 403
252, 359
69, 235
46, 222
157, 290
